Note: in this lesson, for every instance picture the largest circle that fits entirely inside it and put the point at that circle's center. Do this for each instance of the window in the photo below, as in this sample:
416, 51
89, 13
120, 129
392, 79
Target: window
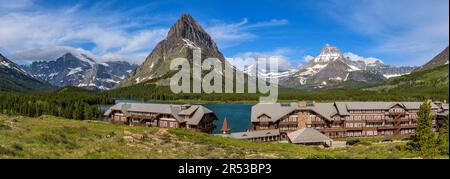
264, 127
293, 118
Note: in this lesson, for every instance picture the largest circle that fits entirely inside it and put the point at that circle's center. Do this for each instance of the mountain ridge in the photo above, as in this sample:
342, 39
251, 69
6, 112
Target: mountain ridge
14, 78
80, 70
332, 67
440, 59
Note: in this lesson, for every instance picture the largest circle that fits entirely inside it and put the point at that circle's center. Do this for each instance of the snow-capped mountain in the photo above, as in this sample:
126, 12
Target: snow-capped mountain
331, 67
80, 70
7, 64
184, 36
264, 74
14, 78
327, 54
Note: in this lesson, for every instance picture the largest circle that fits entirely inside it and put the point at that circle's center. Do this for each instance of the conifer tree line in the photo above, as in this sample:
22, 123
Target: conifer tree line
71, 105
425, 141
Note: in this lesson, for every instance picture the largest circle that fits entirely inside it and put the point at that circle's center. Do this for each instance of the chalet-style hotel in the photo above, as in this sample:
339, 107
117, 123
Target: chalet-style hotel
194, 117
344, 119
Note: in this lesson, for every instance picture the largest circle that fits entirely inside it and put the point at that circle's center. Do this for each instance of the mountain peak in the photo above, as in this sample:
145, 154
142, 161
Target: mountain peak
188, 28
68, 54
328, 53
3, 59
439, 60
184, 36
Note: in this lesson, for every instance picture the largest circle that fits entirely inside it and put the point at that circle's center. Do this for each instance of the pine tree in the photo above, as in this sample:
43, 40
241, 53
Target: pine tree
424, 140
442, 141
88, 113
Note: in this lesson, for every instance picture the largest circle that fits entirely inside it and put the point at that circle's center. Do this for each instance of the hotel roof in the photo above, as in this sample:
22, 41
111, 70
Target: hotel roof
195, 112
255, 134
307, 135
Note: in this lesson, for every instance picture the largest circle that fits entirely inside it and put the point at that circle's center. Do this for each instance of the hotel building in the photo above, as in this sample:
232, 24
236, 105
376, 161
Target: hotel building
194, 117
345, 119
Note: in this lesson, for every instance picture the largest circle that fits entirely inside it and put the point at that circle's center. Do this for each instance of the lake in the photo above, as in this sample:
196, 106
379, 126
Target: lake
238, 115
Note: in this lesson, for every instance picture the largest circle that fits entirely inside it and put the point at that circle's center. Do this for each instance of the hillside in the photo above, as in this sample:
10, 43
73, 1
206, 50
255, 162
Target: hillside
439, 60
14, 78
51, 137
433, 81
349, 91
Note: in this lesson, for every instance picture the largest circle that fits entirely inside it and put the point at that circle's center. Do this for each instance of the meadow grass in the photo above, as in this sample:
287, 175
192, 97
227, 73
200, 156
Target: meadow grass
54, 137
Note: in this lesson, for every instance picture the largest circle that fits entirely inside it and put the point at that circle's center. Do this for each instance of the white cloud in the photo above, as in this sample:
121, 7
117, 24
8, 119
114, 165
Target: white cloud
48, 54
16, 4
308, 58
231, 34
26, 27
53, 53
355, 57
278, 56
412, 29
138, 59
106, 34
143, 39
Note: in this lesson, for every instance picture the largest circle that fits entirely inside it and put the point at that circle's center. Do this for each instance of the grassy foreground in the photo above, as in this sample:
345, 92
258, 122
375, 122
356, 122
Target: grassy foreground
53, 137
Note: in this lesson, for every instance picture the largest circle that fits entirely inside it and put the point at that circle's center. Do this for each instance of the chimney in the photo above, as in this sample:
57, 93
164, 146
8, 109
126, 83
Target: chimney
310, 103
225, 129
185, 106
302, 104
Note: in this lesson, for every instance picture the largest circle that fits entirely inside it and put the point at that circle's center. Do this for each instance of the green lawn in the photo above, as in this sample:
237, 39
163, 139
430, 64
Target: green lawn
53, 137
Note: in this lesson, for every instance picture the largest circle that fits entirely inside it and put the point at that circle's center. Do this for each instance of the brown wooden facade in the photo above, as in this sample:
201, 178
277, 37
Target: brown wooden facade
206, 124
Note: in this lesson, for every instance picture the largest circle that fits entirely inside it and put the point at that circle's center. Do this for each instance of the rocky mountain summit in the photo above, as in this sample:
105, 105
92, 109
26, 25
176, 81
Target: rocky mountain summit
184, 36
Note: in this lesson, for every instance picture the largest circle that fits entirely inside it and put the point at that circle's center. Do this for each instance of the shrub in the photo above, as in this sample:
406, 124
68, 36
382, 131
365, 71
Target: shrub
4, 127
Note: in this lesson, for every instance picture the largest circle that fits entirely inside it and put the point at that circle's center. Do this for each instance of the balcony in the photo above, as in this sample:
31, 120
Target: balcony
142, 116
386, 127
354, 128
402, 120
408, 126
397, 113
334, 129
370, 128
288, 122
374, 120
288, 129
317, 122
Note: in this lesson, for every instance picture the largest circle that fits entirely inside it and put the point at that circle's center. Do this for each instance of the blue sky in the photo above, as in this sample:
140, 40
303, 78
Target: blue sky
400, 32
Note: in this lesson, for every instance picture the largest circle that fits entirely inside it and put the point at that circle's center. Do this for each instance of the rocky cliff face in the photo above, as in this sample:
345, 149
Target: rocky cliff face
184, 36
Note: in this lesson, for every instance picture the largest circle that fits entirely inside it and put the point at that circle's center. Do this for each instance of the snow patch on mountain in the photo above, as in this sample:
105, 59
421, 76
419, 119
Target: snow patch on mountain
394, 75
327, 54
369, 61
72, 71
354, 68
80, 70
